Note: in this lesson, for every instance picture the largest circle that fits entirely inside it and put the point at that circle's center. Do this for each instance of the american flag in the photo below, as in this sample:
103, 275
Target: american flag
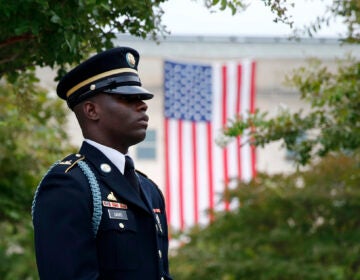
199, 101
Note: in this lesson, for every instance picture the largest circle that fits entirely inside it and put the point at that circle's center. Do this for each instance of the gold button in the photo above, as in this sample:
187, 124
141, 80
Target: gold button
121, 225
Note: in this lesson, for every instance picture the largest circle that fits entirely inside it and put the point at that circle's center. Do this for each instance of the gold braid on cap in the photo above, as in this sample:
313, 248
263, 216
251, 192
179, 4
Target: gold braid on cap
97, 77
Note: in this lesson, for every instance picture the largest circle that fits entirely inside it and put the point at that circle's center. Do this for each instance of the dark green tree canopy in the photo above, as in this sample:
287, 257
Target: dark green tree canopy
50, 33
298, 226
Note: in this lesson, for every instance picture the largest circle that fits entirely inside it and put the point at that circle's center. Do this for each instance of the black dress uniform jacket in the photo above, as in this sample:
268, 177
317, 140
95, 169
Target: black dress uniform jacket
130, 246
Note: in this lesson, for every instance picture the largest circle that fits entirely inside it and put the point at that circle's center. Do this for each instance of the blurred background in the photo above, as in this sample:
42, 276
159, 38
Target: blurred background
289, 208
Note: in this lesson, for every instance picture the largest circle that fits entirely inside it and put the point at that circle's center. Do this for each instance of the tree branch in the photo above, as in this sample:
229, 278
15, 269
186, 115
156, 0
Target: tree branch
16, 39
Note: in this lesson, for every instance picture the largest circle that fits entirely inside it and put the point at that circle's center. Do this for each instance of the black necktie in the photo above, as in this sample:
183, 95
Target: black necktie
129, 173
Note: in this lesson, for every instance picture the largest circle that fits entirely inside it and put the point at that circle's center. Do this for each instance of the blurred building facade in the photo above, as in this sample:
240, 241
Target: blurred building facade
275, 58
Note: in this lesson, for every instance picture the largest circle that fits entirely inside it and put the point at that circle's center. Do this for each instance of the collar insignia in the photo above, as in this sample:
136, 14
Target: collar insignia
105, 167
66, 162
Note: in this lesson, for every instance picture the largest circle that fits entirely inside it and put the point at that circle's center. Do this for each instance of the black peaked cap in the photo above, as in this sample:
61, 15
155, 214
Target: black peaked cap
113, 71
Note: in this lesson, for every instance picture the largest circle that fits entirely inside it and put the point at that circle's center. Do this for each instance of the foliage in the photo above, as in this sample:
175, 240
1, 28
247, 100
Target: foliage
32, 136
299, 226
51, 33
331, 124
235, 6
56, 33
17, 250
346, 11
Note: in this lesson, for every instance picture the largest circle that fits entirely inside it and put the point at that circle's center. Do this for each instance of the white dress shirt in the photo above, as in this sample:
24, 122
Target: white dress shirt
117, 158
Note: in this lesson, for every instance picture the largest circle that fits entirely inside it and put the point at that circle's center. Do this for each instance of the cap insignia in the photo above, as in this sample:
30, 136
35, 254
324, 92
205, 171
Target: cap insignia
130, 59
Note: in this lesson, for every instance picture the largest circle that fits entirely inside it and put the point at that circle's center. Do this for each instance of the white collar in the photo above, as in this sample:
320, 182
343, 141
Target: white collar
117, 158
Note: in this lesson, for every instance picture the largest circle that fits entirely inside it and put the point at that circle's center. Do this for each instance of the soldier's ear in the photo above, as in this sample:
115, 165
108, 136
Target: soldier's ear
91, 110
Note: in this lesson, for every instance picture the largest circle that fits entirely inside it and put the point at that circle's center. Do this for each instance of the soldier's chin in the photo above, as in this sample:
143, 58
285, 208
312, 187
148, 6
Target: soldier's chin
138, 138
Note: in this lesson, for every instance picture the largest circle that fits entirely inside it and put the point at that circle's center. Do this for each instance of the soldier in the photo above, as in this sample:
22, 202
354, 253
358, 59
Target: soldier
94, 216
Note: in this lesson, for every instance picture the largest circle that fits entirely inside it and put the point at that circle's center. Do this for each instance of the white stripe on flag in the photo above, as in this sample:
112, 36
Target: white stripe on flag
203, 171
188, 167
245, 108
217, 159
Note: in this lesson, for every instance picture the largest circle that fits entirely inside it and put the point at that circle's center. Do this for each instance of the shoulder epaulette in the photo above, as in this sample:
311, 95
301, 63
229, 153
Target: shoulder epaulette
71, 161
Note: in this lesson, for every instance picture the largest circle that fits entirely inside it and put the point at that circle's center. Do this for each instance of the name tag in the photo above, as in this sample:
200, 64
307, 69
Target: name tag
117, 214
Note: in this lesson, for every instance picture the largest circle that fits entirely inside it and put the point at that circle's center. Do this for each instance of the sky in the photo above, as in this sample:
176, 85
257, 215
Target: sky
189, 17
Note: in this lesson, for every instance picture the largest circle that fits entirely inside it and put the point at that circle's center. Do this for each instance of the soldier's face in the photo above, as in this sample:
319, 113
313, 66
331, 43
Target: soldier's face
122, 121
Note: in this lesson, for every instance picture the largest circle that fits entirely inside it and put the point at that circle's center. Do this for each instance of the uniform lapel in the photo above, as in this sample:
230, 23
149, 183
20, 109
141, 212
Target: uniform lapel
112, 177
146, 194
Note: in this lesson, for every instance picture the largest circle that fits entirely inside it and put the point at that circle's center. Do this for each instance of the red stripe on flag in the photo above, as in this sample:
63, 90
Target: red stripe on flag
167, 172
252, 87
210, 168
195, 173
181, 175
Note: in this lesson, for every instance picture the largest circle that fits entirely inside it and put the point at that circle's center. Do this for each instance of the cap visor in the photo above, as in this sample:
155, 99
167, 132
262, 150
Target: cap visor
131, 90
